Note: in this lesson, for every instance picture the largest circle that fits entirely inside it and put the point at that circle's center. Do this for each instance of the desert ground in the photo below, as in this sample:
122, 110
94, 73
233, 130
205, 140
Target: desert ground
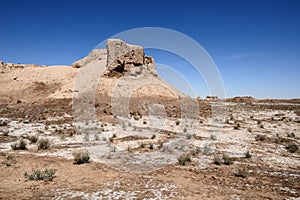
249, 151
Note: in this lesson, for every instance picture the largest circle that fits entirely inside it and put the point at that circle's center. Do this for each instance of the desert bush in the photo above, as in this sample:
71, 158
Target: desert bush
3, 123
96, 137
227, 160
81, 156
184, 129
184, 158
177, 122
188, 136
196, 151
43, 143
237, 126
153, 136
9, 160
213, 137
261, 126
241, 172
291, 135
260, 137
20, 145
151, 146
292, 148
206, 149
248, 154
5, 132
218, 159
32, 138
142, 145
44, 175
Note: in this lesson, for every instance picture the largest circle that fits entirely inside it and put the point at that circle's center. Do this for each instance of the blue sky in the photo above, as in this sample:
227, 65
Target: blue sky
255, 44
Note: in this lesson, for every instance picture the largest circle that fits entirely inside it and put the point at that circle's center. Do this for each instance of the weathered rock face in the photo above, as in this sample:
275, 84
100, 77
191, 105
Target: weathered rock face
121, 58
125, 58
96, 54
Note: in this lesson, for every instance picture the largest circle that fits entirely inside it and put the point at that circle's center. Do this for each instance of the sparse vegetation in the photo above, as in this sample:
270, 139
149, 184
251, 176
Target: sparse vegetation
19, 145
227, 160
96, 137
237, 126
241, 172
189, 136
184, 158
292, 148
223, 159
213, 137
206, 149
260, 137
43, 143
5, 132
218, 159
142, 145
153, 136
81, 156
248, 154
32, 138
86, 137
43, 175
151, 146
291, 135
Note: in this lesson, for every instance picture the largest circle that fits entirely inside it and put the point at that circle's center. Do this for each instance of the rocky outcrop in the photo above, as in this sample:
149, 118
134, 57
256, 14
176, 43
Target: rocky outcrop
123, 58
96, 54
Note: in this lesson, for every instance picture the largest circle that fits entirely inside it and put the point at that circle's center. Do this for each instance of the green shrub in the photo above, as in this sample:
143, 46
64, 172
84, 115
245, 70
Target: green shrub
43, 143
81, 156
184, 158
45, 175
20, 145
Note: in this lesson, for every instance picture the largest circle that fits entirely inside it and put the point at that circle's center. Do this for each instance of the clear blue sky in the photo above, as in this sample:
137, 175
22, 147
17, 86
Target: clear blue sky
255, 44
